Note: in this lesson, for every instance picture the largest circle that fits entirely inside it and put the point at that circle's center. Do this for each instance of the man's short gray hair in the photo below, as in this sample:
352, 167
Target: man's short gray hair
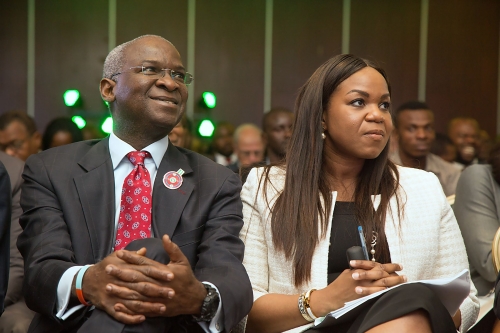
114, 60
245, 127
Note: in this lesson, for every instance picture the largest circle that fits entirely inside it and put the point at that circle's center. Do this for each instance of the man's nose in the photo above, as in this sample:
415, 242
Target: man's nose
421, 133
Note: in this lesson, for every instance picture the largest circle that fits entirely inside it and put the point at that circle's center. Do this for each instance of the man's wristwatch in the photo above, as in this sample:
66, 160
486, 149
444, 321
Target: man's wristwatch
210, 304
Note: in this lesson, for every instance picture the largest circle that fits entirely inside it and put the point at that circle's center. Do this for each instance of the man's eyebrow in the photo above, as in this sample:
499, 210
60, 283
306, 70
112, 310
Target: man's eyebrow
156, 62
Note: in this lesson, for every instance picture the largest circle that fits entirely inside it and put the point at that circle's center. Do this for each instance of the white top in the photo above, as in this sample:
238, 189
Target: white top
426, 241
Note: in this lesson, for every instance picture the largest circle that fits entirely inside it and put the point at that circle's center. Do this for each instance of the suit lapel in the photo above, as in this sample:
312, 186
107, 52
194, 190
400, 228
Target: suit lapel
96, 189
169, 204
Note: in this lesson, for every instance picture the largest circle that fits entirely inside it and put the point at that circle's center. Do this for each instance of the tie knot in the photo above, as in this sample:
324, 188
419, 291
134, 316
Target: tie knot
137, 157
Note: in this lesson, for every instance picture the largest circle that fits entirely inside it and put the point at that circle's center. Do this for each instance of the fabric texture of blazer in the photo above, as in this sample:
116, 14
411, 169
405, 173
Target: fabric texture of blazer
426, 241
69, 212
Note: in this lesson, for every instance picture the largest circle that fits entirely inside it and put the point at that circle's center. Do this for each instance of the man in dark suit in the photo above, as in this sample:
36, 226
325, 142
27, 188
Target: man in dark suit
5, 212
17, 316
74, 199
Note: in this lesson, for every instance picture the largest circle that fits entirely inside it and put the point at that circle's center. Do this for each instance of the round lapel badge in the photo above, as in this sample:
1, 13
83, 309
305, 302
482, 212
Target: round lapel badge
172, 180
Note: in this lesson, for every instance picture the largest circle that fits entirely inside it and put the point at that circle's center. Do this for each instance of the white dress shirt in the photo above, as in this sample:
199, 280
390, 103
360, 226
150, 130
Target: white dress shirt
118, 150
223, 160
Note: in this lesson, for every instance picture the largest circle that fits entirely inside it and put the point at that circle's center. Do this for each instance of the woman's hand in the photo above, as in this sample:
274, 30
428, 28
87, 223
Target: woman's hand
366, 278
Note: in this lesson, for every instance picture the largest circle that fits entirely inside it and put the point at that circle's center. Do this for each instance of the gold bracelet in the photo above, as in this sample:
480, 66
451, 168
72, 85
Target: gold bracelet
302, 308
307, 304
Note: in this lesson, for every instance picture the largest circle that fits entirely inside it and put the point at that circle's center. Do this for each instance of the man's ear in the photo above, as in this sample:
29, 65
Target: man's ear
106, 87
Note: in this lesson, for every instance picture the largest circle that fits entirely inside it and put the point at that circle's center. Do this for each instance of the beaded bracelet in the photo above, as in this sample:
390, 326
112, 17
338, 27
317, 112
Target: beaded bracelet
302, 308
78, 285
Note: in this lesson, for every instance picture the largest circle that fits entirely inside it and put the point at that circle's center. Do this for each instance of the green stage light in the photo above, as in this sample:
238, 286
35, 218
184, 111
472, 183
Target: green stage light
107, 125
79, 121
71, 97
209, 99
206, 128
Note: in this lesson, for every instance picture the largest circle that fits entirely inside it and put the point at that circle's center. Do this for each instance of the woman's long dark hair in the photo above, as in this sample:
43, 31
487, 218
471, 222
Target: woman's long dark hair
306, 195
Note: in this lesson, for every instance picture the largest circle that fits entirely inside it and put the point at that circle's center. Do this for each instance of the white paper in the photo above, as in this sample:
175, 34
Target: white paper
451, 291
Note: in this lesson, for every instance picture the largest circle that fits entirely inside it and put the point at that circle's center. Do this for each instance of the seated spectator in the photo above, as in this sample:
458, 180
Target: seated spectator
302, 216
91, 132
477, 208
249, 146
18, 135
485, 146
181, 136
464, 133
59, 132
414, 128
222, 144
5, 215
444, 148
277, 127
17, 317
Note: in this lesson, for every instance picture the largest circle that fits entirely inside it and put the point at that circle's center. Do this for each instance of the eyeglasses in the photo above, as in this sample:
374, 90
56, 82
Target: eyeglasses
158, 73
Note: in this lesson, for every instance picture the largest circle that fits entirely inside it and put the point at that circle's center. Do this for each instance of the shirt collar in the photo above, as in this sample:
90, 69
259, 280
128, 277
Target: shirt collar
118, 149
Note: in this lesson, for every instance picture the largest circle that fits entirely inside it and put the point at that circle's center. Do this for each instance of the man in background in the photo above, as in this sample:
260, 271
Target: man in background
222, 144
5, 213
18, 135
17, 317
249, 146
464, 133
414, 129
277, 126
444, 148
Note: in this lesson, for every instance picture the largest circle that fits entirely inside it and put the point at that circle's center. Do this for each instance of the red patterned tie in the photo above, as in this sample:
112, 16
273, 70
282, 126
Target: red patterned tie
135, 208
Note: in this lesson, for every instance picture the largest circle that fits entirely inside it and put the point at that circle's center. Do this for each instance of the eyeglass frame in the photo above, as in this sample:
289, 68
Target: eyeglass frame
161, 73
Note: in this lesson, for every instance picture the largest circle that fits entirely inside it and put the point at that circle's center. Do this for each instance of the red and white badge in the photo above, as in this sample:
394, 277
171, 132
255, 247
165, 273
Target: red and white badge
173, 179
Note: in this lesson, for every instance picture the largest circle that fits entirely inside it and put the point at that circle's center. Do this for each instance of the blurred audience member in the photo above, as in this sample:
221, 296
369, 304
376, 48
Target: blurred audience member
17, 316
464, 133
222, 144
60, 132
181, 136
18, 135
249, 146
277, 125
414, 125
444, 148
485, 146
90, 132
5, 214
477, 209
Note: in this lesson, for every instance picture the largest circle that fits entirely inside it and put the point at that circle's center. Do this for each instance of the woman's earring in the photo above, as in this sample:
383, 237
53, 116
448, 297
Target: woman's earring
323, 136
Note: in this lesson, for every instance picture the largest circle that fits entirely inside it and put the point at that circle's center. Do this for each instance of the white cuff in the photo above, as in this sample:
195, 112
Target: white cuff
216, 325
64, 293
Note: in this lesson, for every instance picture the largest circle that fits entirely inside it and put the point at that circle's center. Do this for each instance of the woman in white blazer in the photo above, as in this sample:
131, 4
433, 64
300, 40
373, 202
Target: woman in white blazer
301, 216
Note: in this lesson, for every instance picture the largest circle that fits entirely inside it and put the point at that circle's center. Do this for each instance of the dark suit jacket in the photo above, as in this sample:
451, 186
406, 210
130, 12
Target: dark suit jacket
14, 168
69, 211
5, 207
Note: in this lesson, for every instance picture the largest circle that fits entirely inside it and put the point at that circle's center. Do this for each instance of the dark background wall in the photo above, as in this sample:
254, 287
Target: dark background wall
71, 42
